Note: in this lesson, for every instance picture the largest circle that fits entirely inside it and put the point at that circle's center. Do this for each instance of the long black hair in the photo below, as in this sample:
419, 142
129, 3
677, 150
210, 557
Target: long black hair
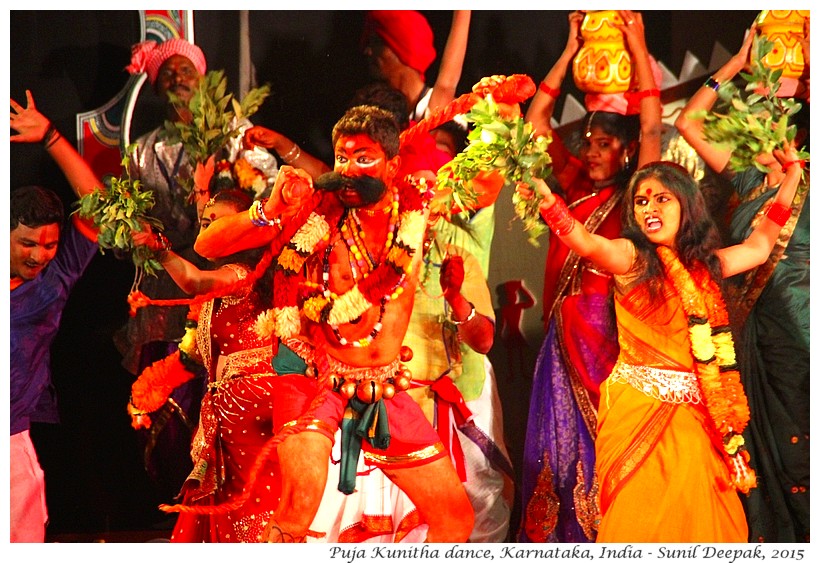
698, 237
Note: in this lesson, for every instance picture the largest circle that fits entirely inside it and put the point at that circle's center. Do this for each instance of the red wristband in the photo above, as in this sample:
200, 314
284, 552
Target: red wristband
558, 218
548, 90
787, 165
635, 97
779, 213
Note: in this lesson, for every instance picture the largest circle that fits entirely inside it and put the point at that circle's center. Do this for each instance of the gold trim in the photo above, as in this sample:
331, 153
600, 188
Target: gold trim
425, 453
314, 425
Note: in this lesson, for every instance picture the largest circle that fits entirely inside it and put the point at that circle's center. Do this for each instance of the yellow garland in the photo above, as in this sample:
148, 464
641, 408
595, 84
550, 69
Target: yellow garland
399, 256
313, 307
713, 347
291, 260
188, 343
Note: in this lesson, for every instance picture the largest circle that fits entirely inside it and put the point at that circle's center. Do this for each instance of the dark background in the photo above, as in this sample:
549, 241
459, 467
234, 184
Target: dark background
73, 62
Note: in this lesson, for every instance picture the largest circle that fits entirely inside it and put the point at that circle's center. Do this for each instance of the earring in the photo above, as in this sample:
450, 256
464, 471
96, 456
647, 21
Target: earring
626, 161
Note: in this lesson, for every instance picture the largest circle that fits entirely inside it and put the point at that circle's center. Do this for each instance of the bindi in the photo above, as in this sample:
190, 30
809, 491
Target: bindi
648, 192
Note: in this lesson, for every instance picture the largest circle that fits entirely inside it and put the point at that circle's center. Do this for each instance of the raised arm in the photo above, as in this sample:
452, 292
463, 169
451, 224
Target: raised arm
613, 255
33, 127
691, 128
648, 91
757, 247
290, 153
186, 275
233, 233
452, 61
542, 105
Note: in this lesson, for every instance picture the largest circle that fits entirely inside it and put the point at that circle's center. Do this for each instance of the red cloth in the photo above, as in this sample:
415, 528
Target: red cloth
421, 154
412, 437
407, 33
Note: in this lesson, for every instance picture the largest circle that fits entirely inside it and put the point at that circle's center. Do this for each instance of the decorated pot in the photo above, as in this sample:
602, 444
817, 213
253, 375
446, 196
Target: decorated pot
603, 64
785, 29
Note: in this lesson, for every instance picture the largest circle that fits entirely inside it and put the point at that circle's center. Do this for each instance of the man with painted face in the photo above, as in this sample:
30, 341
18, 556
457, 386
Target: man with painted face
348, 258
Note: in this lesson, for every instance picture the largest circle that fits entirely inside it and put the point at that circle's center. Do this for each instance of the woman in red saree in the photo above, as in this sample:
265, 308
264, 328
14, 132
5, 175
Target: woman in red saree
670, 457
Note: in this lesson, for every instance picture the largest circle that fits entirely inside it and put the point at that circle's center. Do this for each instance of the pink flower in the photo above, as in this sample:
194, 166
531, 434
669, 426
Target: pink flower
140, 55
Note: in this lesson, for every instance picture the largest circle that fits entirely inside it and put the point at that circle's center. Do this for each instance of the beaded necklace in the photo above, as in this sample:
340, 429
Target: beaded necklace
360, 258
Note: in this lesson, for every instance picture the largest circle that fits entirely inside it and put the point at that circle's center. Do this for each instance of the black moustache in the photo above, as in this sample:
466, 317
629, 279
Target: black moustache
370, 189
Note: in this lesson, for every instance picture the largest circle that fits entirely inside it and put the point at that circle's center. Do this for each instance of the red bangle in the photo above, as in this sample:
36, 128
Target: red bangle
800, 163
548, 90
779, 213
558, 217
635, 97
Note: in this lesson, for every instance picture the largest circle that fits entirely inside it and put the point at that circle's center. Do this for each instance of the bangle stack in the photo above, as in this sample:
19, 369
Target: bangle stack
470, 317
290, 156
712, 83
558, 218
779, 213
256, 213
51, 136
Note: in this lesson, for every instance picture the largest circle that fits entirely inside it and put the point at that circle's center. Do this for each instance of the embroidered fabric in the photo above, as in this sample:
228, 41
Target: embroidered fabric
668, 386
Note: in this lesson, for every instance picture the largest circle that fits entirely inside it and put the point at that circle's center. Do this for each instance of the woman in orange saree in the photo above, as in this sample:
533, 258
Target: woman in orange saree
670, 457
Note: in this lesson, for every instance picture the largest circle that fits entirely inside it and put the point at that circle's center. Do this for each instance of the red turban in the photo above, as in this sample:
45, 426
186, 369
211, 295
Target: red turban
407, 33
149, 55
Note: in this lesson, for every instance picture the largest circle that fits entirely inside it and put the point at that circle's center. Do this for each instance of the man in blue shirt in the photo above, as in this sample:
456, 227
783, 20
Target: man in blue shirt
48, 255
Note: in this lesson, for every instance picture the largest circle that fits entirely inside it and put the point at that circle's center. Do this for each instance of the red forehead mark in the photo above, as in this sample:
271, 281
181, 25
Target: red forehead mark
648, 191
213, 216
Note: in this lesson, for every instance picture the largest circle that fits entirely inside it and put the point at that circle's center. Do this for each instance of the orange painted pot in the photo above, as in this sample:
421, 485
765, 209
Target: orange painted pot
603, 64
785, 29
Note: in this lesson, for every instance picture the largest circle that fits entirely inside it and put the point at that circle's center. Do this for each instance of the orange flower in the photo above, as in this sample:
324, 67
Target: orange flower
291, 260
156, 383
722, 391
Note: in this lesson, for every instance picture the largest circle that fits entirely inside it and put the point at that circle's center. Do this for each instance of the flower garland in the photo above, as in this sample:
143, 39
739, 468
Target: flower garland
151, 389
294, 294
715, 365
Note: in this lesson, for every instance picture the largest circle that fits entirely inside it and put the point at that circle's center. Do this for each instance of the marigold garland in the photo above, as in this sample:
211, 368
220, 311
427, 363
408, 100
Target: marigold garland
715, 367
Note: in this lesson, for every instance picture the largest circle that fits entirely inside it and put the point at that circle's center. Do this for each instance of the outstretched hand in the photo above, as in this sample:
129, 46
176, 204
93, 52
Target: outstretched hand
261, 137
30, 124
451, 277
527, 192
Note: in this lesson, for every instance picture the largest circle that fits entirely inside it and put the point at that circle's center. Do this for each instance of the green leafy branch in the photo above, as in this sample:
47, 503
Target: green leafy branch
507, 145
118, 211
754, 120
215, 118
